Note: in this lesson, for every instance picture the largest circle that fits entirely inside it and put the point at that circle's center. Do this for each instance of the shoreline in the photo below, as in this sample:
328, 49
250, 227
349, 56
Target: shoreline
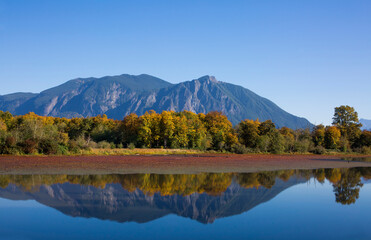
172, 164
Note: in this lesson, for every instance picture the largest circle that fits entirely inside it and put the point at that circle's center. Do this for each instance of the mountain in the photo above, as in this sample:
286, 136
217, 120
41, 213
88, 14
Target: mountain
84, 97
12, 101
366, 124
118, 96
117, 204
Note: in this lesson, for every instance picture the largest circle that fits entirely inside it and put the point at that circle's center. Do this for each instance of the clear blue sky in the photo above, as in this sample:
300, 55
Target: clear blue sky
306, 56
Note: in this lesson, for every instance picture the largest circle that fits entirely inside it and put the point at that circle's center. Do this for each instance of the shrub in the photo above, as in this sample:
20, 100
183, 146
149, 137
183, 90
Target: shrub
104, 145
131, 146
302, 146
240, 149
365, 150
62, 150
81, 143
73, 146
29, 146
174, 145
8, 145
220, 146
91, 144
319, 150
10, 141
48, 146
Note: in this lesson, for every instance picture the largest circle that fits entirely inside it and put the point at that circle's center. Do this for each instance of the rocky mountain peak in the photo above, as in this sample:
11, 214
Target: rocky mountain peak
207, 79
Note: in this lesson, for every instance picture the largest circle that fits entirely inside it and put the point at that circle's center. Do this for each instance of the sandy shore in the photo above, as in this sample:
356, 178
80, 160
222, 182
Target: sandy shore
185, 164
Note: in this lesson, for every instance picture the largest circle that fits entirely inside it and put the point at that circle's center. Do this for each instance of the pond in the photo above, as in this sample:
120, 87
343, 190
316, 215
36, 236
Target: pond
285, 204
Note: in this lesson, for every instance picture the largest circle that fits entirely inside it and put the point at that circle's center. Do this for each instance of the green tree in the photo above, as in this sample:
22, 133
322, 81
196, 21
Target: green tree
289, 138
364, 139
129, 128
277, 142
248, 132
266, 127
263, 143
196, 130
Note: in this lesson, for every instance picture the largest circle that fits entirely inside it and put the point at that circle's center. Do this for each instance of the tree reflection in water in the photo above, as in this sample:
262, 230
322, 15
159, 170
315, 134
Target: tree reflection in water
346, 182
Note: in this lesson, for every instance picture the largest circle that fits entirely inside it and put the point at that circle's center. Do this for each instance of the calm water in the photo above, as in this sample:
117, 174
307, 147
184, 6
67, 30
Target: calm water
293, 204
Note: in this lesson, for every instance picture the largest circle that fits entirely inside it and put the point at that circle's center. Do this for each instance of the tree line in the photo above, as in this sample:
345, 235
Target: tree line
33, 134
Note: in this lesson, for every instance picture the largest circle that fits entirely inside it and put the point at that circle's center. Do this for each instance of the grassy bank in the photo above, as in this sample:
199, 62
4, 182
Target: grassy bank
139, 151
119, 152
162, 151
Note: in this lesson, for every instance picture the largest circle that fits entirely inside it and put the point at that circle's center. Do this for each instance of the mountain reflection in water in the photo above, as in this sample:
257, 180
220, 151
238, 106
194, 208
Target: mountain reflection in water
146, 197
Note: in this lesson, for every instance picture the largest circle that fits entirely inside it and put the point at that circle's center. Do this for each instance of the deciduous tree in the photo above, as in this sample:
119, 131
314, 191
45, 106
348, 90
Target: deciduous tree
332, 137
248, 132
346, 119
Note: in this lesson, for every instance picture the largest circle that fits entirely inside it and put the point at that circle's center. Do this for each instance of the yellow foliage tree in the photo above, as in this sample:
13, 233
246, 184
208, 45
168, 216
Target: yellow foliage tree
332, 137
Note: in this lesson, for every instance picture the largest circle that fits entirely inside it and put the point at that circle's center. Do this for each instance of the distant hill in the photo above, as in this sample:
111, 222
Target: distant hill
118, 96
12, 101
366, 124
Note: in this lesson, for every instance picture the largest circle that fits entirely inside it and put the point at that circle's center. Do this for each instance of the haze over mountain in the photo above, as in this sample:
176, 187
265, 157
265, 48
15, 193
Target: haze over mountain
118, 96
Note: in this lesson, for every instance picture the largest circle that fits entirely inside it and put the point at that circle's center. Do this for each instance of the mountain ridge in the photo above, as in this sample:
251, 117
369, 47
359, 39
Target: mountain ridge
118, 96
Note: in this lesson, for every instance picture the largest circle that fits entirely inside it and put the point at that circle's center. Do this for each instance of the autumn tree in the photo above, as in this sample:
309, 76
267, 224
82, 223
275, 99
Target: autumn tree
167, 128
180, 138
78, 127
103, 129
149, 129
318, 135
221, 130
346, 119
289, 138
3, 127
7, 118
332, 137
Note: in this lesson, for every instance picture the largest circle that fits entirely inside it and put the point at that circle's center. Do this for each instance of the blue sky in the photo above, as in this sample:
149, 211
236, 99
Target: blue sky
306, 56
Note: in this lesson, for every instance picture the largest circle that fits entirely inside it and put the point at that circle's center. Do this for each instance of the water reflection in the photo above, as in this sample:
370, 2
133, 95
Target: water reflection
145, 197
